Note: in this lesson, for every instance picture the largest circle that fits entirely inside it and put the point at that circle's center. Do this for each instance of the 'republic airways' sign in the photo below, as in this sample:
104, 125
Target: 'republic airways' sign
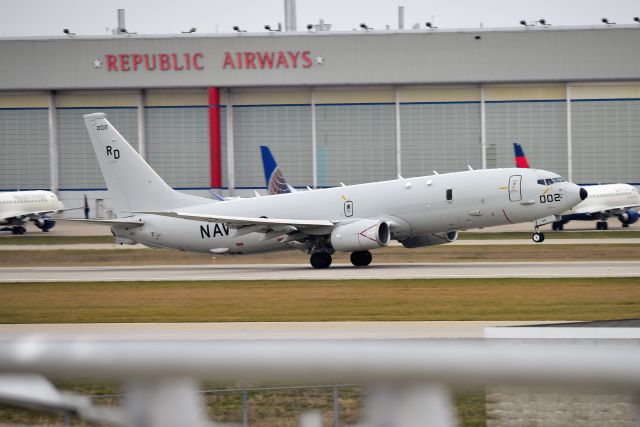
187, 61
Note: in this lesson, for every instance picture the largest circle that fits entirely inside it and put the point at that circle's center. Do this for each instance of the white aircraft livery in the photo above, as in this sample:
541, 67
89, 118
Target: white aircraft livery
417, 212
18, 207
605, 201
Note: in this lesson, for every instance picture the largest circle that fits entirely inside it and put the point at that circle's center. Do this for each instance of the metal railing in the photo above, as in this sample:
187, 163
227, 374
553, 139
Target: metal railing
406, 382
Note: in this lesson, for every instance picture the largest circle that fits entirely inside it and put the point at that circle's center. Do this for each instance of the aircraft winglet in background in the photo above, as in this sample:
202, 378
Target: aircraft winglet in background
605, 201
350, 218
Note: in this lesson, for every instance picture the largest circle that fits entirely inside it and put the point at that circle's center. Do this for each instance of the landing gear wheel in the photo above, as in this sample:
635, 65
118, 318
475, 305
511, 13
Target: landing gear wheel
320, 260
18, 229
625, 224
361, 258
538, 237
602, 225
557, 226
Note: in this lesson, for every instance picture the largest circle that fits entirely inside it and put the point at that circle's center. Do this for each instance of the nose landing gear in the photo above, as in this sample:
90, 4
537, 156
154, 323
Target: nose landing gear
537, 236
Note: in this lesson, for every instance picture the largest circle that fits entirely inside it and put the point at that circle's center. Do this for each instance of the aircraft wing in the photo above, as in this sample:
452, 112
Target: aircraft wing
603, 208
28, 214
111, 222
241, 221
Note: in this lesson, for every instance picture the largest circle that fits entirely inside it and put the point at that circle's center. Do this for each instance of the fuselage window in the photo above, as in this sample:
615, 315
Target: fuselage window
449, 194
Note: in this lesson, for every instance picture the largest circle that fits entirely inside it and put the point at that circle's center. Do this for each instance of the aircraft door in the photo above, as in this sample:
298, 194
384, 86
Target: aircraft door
515, 188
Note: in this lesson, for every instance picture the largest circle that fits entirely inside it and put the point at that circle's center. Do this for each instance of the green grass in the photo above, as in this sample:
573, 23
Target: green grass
393, 254
272, 301
567, 234
44, 239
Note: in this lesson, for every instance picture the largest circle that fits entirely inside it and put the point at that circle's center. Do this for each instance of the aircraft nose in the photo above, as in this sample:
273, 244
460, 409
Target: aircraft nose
583, 193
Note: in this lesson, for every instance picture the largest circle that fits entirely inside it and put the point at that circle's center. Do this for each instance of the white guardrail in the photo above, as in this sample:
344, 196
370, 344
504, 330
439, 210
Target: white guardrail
407, 382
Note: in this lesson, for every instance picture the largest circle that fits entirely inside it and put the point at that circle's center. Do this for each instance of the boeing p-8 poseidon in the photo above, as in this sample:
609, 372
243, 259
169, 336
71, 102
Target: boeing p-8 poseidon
420, 211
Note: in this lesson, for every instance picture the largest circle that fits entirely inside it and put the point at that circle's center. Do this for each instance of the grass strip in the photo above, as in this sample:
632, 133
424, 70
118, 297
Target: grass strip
567, 234
44, 239
302, 301
395, 254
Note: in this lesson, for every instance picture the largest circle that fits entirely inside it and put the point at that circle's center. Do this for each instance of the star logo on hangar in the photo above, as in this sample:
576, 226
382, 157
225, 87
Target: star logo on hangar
97, 63
319, 60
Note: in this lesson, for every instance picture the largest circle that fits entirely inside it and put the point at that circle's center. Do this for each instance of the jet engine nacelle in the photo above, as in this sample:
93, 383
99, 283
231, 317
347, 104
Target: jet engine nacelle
361, 235
44, 223
430, 239
629, 217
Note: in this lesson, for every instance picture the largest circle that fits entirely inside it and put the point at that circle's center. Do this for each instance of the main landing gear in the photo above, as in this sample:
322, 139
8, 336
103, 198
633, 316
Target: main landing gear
602, 225
358, 259
320, 260
18, 229
361, 258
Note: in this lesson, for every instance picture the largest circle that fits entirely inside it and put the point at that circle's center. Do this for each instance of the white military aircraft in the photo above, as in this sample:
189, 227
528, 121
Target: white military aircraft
417, 212
605, 201
18, 207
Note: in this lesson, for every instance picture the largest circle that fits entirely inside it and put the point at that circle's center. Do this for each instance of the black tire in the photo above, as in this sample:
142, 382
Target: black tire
320, 260
560, 226
361, 258
605, 225
18, 230
625, 224
537, 237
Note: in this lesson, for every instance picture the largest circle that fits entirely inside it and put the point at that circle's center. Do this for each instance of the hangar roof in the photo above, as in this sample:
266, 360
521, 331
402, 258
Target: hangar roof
505, 55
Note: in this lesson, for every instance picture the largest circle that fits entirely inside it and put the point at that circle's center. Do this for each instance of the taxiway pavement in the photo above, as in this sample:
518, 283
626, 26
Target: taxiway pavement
212, 272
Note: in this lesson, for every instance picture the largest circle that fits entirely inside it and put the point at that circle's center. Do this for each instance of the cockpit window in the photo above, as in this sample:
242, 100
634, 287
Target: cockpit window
541, 181
558, 179
548, 181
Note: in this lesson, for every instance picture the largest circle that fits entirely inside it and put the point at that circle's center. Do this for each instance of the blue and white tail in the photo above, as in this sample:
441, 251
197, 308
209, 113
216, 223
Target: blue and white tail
276, 182
132, 183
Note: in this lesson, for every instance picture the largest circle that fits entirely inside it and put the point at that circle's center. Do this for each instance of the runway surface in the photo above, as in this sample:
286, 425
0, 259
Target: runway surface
250, 330
335, 272
492, 242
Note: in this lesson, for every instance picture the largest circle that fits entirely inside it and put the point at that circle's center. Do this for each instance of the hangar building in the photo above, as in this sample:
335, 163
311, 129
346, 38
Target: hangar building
333, 106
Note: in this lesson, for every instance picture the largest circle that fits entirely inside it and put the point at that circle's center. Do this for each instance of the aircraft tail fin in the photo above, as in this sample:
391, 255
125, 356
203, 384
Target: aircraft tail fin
132, 183
521, 159
276, 182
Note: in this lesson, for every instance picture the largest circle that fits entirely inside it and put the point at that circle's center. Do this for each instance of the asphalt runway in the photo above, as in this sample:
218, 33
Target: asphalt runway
250, 330
491, 242
335, 272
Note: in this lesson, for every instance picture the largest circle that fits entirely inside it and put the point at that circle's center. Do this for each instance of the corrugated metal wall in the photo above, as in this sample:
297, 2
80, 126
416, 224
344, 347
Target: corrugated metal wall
280, 120
356, 135
177, 137
24, 142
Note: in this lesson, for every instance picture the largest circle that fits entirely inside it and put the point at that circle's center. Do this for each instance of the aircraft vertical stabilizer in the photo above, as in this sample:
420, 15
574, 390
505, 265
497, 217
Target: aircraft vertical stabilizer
521, 159
131, 182
276, 182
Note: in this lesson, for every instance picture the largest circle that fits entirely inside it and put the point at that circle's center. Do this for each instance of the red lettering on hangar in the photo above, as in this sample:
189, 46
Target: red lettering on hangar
153, 62
269, 60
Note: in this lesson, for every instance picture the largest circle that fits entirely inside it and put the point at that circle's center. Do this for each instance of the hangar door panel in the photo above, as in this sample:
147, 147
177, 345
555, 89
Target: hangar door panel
78, 165
24, 149
355, 143
440, 136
